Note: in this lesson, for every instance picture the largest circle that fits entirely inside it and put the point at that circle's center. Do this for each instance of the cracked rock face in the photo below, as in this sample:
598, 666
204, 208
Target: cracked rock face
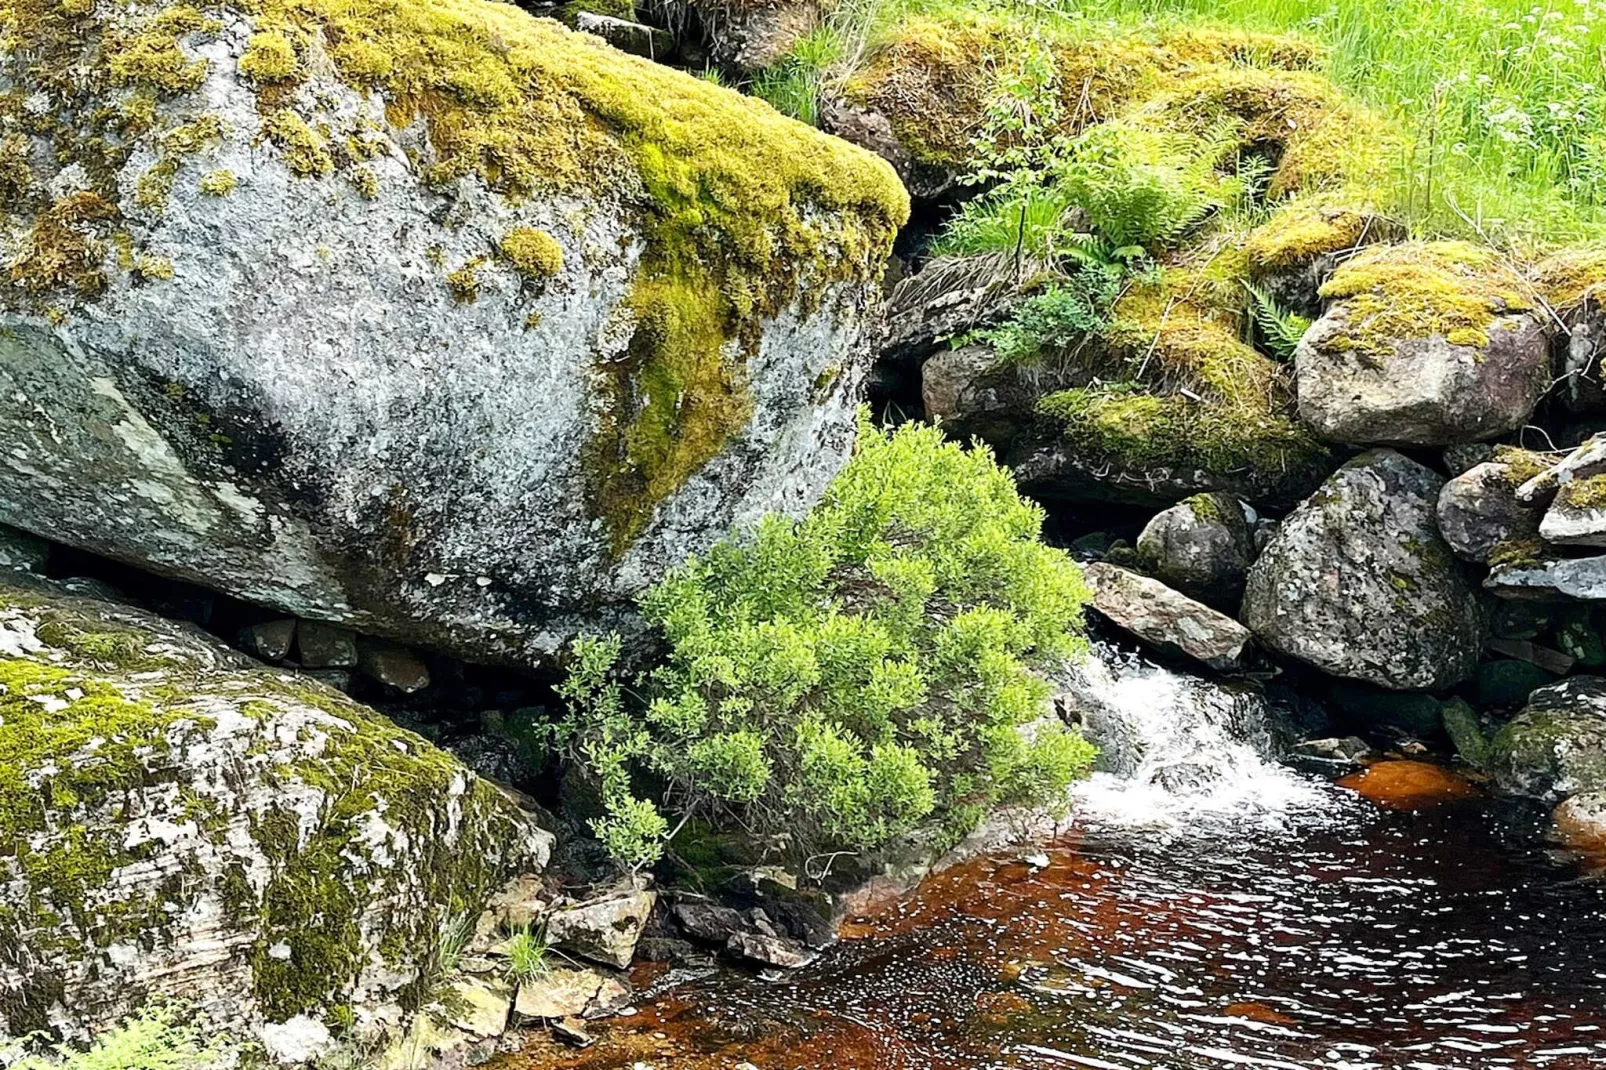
334, 393
176, 819
1358, 582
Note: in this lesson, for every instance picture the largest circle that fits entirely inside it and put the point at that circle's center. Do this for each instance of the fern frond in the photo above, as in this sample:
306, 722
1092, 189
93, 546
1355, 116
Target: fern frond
1279, 329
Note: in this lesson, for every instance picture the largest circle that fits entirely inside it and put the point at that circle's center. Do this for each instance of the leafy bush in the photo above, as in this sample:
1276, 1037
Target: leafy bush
836, 682
161, 1036
1059, 317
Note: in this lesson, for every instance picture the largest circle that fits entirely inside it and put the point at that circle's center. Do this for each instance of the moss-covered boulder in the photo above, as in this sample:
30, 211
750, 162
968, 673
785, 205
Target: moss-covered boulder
1358, 583
1556, 746
177, 820
1479, 509
1202, 546
426, 316
1422, 344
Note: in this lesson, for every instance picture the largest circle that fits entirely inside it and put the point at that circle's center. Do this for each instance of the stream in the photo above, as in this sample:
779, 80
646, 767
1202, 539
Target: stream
1205, 907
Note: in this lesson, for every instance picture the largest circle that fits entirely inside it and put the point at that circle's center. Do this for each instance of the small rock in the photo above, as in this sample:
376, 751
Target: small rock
1553, 661
296, 1041
519, 904
561, 992
648, 42
269, 640
708, 922
1462, 726
392, 665
1578, 515
1556, 746
326, 646
604, 930
572, 1031
1165, 618
1479, 509
1582, 463
22, 552
1340, 749
1581, 821
1202, 547
478, 1005
769, 950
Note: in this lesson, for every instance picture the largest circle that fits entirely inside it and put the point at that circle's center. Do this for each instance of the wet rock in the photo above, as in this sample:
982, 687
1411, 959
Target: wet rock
1358, 583
604, 930
326, 646
1479, 509
22, 552
572, 1031
1508, 682
708, 922
1461, 724
648, 42
1409, 785
1202, 546
1338, 748
767, 950
565, 992
401, 374
269, 640
1391, 362
392, 665
1556, 746
477, 1005
1581, 821
1165, 618
255, 786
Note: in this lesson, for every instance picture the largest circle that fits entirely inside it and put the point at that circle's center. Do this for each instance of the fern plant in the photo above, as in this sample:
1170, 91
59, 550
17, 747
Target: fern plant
1279, 329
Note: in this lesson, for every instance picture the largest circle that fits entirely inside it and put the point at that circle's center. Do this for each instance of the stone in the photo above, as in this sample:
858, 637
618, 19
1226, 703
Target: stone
1201, 546
310, 831
477, 1005
1523, 650
1548, 578
22, 552
572, 1031
1556, 746
269, 640
1580, 821
392, 665
1508, 682
767, 950
748, 38
1479, 509
1394, 713
326, 646
296, 1041
1521, 620
1461, 724
1339, 748
605, 929
1437, 380
1577, 516
649, 42
1462, 457
1584, 462
1578, 637
708, 922
432, 1043
961, 387
564, 992
410, 374
1166, 619
1358, 583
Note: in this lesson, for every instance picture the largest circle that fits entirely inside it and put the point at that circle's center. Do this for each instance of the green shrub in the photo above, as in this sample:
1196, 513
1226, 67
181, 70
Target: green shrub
160, 1036
1063, 314
836, 683
527, 955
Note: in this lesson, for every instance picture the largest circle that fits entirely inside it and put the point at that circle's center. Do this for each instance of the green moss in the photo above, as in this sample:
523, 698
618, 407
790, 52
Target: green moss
1518, 553
1298, 234
365, 182
306, 152
533, 253
1419, 289
63, 250
269, 57
1522, 465
1570, 277
464, 283
1586, 493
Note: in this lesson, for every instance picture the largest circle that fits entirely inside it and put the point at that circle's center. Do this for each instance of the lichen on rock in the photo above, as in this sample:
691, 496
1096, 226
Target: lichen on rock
176, 820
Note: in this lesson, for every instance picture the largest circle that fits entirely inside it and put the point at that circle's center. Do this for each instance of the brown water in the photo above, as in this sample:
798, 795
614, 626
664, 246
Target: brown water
1342, 935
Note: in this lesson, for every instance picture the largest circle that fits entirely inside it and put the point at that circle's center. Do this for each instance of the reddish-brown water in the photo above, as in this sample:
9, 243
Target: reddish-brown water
1349, 936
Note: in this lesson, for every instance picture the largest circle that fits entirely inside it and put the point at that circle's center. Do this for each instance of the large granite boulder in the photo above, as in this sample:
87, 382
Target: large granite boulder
1556, 746
1479, 508
1422, 344
178, 820
1357, 582
436, 320
1202, 546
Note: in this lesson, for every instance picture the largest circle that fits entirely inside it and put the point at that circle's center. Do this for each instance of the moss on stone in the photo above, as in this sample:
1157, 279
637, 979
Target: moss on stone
1299, 233
1418, 289
219, 183
464, 282
533, 253
269, 57
1522, 465
306, 151
1570, 277
1586, 493
1518, 553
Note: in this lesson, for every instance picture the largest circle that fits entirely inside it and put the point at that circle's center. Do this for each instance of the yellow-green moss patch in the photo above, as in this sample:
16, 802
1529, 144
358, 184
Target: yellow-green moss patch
269, 57
1569, 278
219, 183
1587, 493
533, 253
1299, 233
62, 251
1419, 289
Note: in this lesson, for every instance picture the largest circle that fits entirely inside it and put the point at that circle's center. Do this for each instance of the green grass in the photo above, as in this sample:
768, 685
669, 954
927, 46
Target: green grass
1503, 103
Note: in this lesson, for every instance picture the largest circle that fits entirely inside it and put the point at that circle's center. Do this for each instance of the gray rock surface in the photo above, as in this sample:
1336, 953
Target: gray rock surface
1556, 746
1425, 391
1479, 508
1547, 577
181, 821
566, 991
22, 552
1358, 583
1202, 546
1578, 515
329, 391
1166, 619
603, 930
